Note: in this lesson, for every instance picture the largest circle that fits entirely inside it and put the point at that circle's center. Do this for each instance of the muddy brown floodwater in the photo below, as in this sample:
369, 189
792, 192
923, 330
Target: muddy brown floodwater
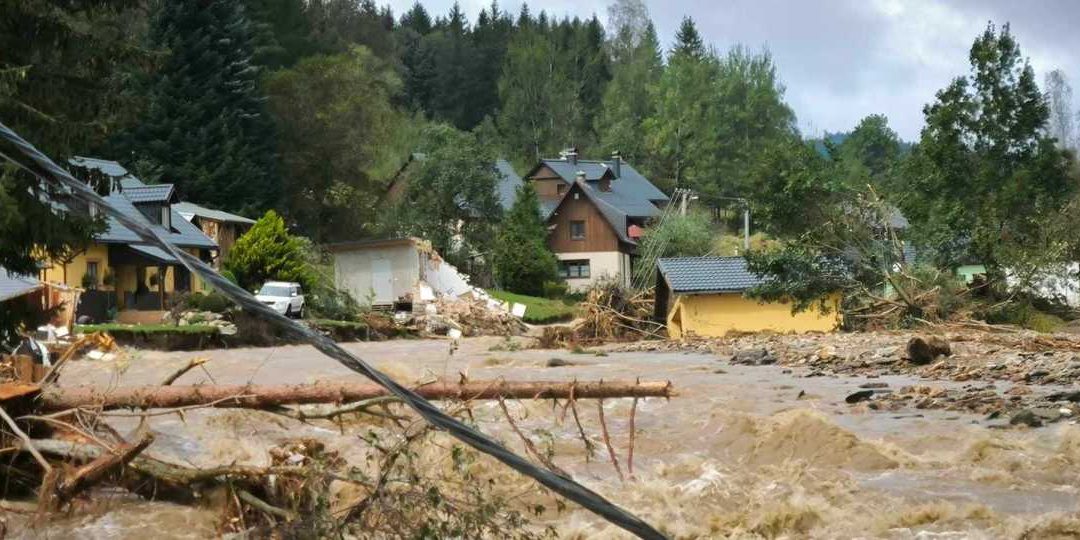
743, 451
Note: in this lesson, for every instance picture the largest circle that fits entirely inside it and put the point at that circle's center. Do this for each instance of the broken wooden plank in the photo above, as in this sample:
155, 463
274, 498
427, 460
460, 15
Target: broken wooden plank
258, 397
12, 390
93, 472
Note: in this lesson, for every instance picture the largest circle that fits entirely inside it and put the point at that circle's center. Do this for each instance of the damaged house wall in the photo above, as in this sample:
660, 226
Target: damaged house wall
377, 272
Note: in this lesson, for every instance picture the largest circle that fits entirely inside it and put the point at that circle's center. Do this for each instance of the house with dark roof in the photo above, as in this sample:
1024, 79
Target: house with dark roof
595, 211
704, 296
222, 227
120, 270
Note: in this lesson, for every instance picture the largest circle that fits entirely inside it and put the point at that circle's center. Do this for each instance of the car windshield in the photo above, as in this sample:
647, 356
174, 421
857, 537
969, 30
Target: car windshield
274, 290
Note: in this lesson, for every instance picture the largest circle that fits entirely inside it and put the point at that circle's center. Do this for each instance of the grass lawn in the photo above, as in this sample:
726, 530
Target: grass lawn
146, 328
538, 310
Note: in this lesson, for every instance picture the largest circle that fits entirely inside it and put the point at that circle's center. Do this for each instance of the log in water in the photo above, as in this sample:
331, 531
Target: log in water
258, 396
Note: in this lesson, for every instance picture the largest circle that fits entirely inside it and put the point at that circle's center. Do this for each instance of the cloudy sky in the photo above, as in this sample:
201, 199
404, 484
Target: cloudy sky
844, 59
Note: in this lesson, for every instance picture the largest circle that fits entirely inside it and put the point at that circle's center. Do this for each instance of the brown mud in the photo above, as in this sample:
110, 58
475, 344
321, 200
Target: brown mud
744, 451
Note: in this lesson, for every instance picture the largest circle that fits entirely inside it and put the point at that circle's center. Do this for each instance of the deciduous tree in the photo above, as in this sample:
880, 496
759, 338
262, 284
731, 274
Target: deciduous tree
336, 125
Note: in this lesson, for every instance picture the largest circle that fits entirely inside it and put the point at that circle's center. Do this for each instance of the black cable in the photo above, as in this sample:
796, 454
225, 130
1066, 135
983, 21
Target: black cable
32, 160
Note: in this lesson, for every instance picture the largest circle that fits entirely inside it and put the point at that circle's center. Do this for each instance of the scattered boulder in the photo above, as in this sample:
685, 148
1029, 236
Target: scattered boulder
923, 350
1026, 417
1073, 396
861, 395
559, 362
753, 357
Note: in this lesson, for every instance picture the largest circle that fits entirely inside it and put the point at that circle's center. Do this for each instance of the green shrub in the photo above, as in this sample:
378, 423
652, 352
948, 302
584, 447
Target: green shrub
1023, 312
216, 302
213, 301
227, 274
326, 302
268, 252
555, 289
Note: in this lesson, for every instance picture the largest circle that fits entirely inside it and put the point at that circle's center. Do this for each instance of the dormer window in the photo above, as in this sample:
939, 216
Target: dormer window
166, 217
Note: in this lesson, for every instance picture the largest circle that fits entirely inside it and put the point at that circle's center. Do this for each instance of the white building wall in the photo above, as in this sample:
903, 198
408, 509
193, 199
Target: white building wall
603, 265
354, 272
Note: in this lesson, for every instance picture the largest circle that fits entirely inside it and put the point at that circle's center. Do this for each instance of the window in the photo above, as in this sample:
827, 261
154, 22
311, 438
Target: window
577, 230
574, 269
166, 216
561, 188
91, 275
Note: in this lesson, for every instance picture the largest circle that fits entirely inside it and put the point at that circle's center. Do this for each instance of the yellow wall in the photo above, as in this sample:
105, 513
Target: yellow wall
124, 276
77, 267
714, 315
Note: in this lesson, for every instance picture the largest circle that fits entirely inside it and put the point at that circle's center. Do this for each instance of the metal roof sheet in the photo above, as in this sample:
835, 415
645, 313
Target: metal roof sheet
109, 168
187, 209
14, 285
700, 275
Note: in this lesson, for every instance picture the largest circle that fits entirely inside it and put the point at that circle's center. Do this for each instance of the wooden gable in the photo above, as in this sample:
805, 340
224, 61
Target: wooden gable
577, 207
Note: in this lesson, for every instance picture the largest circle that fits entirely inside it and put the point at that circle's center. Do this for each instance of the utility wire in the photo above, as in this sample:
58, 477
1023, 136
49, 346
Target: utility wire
25, 155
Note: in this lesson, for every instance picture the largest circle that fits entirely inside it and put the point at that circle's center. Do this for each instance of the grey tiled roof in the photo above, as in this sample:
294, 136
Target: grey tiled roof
147, 194
508, 183
183, 233
630, 194
14, 286
629, 186
699, 275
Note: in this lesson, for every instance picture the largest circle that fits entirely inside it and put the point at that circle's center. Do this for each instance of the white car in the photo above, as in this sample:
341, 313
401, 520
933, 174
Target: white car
284, 297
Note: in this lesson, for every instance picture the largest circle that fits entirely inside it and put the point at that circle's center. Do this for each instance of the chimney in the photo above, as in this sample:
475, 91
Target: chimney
570, 155
616, 163
580, 176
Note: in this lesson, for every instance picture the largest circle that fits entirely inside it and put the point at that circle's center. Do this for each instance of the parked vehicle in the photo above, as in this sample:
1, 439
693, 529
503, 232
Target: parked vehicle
285, 297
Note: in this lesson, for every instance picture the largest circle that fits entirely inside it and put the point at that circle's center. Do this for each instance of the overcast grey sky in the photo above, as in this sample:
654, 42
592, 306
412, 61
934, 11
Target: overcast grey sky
844, 59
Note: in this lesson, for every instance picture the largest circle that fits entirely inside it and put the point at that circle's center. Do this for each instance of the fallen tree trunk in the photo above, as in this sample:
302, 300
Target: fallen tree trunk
86, 476
157, 479
260, 397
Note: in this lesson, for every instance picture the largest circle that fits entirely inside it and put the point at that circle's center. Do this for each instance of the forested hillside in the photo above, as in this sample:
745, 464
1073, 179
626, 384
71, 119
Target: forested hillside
312, 107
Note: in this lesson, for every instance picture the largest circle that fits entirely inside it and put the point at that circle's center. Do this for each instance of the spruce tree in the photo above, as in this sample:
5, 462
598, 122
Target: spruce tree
688, 40
522, 260
206, 130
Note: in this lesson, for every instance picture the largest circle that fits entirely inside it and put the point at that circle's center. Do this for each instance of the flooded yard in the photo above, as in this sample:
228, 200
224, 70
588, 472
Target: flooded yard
742, 451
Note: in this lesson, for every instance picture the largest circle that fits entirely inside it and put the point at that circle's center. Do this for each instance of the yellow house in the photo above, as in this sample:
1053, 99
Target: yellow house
703, 296
118, 270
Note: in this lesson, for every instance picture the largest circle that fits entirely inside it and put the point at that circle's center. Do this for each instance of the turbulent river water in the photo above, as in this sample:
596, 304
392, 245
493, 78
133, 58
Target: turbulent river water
742, 451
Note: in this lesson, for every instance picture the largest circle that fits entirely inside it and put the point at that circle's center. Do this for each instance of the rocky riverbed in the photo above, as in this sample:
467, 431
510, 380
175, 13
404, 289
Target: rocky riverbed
1013, 377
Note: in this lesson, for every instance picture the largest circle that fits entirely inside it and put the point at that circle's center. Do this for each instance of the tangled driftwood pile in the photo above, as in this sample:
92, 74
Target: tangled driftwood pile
62, 447
610, 312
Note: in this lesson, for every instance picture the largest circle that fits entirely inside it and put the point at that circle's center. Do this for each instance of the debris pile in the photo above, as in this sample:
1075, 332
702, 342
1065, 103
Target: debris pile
63, 448
610, 312
468, 315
